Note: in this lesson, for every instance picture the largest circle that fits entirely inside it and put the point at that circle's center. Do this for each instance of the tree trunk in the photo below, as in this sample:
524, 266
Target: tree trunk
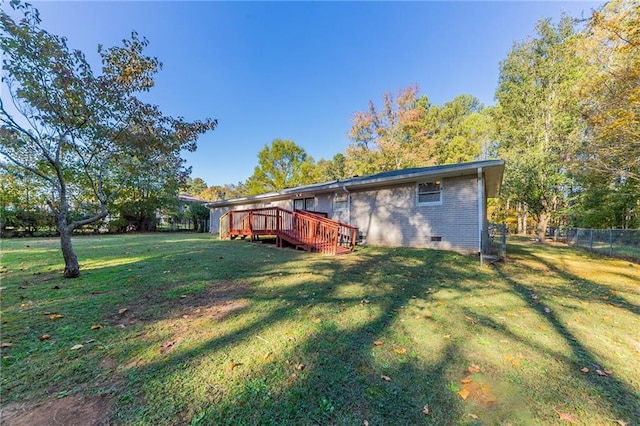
71, 265
543, 221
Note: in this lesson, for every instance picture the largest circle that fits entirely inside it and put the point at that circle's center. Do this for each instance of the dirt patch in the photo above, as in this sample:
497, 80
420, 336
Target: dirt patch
70, 411
218, 301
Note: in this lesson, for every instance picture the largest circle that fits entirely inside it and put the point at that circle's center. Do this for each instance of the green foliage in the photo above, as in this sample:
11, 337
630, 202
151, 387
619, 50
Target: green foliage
537, 119
281, 165
85, 136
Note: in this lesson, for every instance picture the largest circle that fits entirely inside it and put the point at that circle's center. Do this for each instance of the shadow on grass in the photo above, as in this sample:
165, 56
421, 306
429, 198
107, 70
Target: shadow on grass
332, 373
621, 400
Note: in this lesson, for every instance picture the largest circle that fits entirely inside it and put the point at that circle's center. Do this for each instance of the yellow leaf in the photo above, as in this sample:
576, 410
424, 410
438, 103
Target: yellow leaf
542, 327
400, 351
76, 347
317, 320
515, 363
441, 303
584, 369
622, 422
447, 336
232, 365
55, 316
508, 357
463, 393
427, 315
96, 327
473, 416
466, 381
378, 343
267, 355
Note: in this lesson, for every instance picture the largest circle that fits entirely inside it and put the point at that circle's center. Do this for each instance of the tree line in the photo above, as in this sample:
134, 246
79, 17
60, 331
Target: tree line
78, 145
566, 121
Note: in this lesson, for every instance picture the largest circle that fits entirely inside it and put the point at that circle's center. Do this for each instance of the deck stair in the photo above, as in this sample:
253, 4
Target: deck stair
310, 231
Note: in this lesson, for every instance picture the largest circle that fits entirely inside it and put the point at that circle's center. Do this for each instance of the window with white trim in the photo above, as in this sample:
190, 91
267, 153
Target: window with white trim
304, 204
429, 193
340, 201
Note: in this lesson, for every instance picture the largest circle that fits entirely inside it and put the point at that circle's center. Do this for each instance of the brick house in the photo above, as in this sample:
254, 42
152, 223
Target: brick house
442, 207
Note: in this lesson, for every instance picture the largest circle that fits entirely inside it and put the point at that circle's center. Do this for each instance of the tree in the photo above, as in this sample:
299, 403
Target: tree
194, 186
607, 168
537, 120
462, 129
391, 138
610, 45
84, 135
281, 165
198, 213
334, 169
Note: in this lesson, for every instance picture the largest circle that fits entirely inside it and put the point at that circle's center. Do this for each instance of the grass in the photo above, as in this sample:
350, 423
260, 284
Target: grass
238, 333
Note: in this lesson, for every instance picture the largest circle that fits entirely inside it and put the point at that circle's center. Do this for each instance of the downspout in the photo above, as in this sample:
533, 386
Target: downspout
344, 188
480, 209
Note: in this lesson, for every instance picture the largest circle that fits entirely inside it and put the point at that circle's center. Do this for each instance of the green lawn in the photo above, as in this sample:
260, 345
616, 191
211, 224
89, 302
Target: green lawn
186, 329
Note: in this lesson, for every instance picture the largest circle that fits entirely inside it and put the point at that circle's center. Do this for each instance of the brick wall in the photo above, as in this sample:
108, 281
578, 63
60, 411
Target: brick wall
392, 217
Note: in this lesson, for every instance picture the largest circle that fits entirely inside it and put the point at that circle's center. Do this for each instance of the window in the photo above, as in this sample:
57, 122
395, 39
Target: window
429, 193
340, 201
304, 204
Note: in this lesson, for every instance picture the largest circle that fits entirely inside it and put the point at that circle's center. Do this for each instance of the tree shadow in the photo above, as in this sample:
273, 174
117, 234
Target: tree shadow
621, 400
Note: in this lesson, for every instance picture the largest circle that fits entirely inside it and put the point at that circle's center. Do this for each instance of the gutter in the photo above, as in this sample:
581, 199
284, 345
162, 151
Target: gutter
480, 208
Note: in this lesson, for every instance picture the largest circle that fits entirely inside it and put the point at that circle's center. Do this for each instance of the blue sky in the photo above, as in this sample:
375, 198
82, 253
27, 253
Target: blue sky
299, 70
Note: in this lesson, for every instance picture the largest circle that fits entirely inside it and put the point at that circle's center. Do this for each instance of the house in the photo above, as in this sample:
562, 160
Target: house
442, 207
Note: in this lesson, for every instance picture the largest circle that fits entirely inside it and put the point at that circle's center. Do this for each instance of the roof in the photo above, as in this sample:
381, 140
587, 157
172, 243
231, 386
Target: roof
492, 169
190, 198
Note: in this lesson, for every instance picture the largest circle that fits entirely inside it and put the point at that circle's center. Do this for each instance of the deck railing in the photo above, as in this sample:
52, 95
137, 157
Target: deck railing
309, 230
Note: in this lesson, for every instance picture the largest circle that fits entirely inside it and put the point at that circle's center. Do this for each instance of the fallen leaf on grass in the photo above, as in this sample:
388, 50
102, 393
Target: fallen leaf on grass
567, 417
584, 369
515, 363
464, 394
542, 327
122, 311
166, 346
473, 416
267, 355
400, 351
76, 347
466, 381
365, 422
622, 422
385, 378
447, 336
55, 316
233, 365
425, 410
299, 367
6, 345
317, 320
96, 327
471, 320
45, 337
473, 368
604, 373
378, 343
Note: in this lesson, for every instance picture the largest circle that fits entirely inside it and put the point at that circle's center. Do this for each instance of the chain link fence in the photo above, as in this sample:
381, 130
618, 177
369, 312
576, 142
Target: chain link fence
622, 243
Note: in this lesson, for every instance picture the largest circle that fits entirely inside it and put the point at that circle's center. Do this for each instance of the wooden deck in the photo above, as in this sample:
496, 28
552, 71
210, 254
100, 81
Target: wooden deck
310, 231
